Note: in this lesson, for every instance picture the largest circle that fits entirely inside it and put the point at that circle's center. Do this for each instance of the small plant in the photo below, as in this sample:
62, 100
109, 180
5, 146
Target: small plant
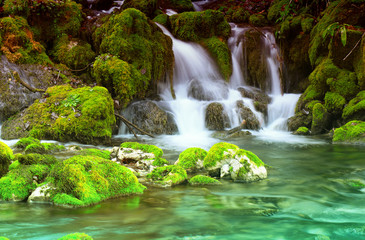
71, 101
333, 28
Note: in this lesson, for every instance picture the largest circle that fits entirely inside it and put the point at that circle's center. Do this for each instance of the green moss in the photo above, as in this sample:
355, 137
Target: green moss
4, 238
95, 152
356, 108
194, 26
35, 158
14, 165
250, 155
319, 119
162, 19
307, 24
221, 53
74, 53
355, 183
6, 156
334, 102
24, 142
218, 152
351, 132
159, 162
189, 158
53, 147
237, 15
18, 43
147, 7
35, 148
133, 38
359, 65
170, 175
18, 184
345, 84
302, 131
86, 180
90, 119
325, 70
203, 180
144, 147
275, 10
76, 236
258, 20
179, 5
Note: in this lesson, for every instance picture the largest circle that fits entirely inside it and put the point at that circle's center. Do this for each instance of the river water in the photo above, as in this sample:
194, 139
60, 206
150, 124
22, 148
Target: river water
307, 195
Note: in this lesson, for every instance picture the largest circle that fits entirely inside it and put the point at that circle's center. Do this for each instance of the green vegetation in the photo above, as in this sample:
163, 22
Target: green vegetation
218, 152
302, 131
18, 43
35, 158
86, 180
90, 120
319, 119
147, 7
76, 236
359, 65
351, 132
24, 142
356, 108
194, 26
189, 158
258, 20
334, 102
95, 152
6, 156
168, 175
179, 5
203, 180
144, 147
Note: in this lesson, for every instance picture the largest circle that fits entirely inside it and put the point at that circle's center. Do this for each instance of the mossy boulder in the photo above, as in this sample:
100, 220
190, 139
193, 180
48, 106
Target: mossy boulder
203, 180
24, 142
216, 117
258, 20
76, 236
74, 53
246, 115
194, 26
320, 119
355, 109
33, 145
351, 132
6, 156
300, 119
94, 152
237, 15
178, 5
145, 52
167, 176
192, 159
221, 53
334, 103
66, 114
150, 117
148, 7
225, 160
35, 158
18, 43
302, 131
86, 180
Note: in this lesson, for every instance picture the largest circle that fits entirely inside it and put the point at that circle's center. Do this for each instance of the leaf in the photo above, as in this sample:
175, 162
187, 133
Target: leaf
343, 35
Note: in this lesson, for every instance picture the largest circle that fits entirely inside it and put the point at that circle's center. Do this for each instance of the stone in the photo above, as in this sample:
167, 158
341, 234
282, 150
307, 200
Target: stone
216, 117
41, 194
246, 114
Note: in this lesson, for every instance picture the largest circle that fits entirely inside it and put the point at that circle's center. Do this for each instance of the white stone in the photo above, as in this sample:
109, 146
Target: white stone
41, 194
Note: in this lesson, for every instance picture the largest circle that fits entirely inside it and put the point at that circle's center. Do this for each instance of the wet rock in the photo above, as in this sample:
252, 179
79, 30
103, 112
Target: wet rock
351, 132
299, 120
320, 119
261, 99
216, 117
204, 93
151, 118
41, 194
246, 114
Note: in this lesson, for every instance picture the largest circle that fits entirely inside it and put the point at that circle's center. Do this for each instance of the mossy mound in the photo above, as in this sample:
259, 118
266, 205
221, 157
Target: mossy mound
302, 131
203, 180
49, 18
18, 43
356, 108
35, 158
221, 53
334, 102
191, 159
76, 236
6, 156
83, 114
94, 152
320, 119
168, 176
86, 180
194, 26
137, 41
148, 7
351, 132
24, 142
74, 53
258, 20
237, 15
20, 181
33, 145
144, 147
178, 5
218, 152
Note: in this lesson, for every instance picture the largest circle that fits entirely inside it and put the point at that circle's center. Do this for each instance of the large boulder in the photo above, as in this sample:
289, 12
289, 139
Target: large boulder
246, 114
66, 114
320, 120
6, 156
198, 91
151, 118
351, 132
192, 159
225, 160
216, 117
137, 55
355, 109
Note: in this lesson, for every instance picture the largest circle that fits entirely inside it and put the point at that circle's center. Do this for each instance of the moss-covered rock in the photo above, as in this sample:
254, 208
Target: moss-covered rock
24, 142
6, 156
237, 15
334, 103
167, 176
35, 158
302, 131
258, 20
95, 152
300, 119
83, 114
146, 54
194, 26
76, 236
33, 145
246, 115
178, 5
74, 53
148, 7
157, 152
227, 160
351, 132
320, 119
355, 110
216, 117
359, 64
18, 43
87, 180
203, 180
192, 159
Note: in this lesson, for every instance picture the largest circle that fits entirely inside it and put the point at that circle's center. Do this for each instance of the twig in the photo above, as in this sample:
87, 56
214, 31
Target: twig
131, 124
354, 47
30, 88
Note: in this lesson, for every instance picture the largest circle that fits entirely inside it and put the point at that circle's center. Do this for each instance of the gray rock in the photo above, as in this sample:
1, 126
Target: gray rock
215, 117
41, 194
246, 114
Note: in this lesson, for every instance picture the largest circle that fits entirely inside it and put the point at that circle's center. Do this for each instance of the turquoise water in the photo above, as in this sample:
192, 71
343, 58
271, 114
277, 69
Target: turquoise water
307, 195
